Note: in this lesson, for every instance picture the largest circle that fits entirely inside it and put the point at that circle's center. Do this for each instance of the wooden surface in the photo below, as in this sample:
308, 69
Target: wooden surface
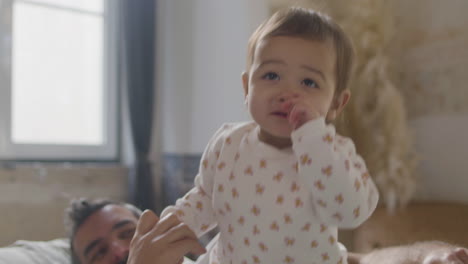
418, 222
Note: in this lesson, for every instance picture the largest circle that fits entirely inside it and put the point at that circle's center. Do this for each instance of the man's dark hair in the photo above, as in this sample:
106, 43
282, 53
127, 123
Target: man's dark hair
81, 209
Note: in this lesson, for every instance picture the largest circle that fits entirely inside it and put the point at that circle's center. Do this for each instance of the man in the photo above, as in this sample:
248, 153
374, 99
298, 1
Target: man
101, 232
109, 232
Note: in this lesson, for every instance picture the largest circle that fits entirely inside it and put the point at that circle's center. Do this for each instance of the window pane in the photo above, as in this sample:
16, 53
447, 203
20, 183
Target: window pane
57, 95
84, 5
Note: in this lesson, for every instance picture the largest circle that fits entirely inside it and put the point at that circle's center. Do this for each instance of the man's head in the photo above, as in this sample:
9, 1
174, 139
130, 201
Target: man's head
100, 230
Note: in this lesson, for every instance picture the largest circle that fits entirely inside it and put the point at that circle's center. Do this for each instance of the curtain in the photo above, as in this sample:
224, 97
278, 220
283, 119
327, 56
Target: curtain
137, 68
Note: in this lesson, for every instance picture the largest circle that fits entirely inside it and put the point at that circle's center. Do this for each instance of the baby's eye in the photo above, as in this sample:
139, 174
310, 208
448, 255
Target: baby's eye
271, 76
310, 83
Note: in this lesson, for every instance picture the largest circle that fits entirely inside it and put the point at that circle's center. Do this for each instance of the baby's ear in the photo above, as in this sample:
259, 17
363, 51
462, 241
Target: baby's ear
245, 83
338, 104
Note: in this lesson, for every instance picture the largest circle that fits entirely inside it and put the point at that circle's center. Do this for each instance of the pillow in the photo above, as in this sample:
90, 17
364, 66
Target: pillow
55, 251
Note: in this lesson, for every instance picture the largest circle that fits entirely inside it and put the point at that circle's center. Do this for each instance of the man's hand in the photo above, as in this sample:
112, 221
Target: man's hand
164, 241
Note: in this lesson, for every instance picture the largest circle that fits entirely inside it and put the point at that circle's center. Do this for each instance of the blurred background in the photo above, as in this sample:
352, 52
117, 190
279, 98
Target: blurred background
118, 98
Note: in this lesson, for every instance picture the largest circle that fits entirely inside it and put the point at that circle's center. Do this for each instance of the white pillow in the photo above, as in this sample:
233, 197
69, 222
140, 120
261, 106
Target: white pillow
36, 252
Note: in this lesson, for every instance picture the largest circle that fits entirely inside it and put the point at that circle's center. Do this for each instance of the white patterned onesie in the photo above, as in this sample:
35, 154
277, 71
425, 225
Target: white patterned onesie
278, 206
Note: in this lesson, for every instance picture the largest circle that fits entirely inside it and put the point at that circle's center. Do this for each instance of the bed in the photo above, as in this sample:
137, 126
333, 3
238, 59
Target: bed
423, 221
55, 251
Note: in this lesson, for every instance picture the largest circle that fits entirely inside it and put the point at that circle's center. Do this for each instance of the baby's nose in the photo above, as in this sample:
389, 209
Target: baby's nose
284, 97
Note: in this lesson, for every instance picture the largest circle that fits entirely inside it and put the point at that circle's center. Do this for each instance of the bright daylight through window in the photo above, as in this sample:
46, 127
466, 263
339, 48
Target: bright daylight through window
60, 98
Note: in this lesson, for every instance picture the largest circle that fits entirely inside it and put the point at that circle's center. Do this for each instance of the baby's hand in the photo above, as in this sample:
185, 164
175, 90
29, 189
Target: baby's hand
299, 112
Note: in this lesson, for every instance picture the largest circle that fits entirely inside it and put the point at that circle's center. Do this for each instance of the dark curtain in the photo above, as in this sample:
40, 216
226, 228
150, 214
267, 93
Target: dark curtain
138, 44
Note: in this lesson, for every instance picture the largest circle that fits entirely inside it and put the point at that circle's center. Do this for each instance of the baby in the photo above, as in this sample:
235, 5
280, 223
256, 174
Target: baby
279, 187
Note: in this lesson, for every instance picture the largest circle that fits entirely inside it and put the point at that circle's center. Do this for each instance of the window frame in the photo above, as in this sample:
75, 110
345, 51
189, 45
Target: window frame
109, 150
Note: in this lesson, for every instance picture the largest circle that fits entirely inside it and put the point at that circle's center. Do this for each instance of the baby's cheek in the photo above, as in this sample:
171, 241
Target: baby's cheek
325, 109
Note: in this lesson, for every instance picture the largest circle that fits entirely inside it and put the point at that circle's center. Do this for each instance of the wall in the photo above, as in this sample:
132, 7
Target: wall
33, 197
201, 55
201, 52
432, 59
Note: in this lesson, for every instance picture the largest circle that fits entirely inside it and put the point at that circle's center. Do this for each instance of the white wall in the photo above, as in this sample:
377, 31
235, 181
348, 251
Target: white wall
443, 146
432, 41
201, 55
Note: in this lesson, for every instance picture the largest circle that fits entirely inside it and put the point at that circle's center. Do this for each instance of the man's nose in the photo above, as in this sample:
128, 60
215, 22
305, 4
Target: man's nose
119, 251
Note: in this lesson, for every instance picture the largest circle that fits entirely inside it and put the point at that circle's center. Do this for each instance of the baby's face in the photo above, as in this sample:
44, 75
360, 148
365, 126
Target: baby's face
289, 69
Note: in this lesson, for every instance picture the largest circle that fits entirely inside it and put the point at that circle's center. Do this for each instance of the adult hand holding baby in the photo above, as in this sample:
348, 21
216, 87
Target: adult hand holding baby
162, 241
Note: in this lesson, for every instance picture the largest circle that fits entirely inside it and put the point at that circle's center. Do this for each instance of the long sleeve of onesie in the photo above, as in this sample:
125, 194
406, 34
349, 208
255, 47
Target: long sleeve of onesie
195, 208
337, 177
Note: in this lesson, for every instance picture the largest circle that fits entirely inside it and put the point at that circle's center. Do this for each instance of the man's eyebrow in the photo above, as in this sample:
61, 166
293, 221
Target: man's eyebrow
95, 242
122, 223
312, 69
91, 245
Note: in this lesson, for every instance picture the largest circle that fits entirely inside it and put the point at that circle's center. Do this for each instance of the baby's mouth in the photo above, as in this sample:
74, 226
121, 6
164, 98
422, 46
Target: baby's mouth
280, 114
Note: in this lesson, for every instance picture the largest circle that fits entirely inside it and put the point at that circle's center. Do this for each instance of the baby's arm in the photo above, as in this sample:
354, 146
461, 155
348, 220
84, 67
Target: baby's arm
195, 208
343, 193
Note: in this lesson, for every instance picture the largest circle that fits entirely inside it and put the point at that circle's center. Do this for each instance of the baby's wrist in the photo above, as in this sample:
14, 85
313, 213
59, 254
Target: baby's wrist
309, 128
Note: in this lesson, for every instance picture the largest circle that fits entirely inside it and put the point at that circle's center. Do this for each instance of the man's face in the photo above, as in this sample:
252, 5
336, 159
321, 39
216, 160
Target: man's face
105, 236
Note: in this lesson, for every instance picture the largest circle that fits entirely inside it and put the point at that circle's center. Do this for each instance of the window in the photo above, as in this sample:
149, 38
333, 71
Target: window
58, 90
